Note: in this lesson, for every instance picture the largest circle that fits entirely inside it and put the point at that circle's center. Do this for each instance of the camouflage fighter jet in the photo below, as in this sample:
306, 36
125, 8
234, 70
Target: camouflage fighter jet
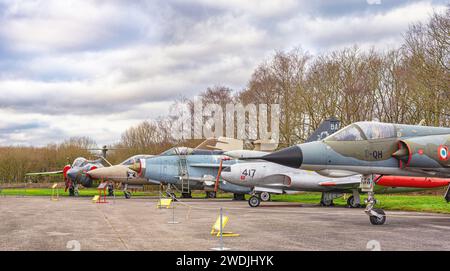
373, 149
75, 174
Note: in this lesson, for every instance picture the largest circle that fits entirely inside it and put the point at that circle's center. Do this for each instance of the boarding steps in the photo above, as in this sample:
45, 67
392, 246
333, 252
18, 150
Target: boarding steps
184, 174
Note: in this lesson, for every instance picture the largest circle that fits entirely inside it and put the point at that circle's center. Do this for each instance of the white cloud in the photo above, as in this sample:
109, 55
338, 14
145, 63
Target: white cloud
93, 68
381, 30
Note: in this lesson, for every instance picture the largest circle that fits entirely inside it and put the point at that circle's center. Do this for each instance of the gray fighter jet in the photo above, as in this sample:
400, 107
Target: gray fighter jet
373, 149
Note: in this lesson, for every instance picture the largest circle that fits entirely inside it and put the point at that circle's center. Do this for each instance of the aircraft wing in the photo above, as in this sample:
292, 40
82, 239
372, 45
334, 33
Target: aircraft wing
341, 183
50, 173
222, 144
207, 181
208, 165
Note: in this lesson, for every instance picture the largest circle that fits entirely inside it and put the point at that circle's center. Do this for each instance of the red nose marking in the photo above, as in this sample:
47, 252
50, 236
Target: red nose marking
66, 168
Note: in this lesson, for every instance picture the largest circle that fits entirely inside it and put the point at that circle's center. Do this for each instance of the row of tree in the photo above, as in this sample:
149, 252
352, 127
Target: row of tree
410, 84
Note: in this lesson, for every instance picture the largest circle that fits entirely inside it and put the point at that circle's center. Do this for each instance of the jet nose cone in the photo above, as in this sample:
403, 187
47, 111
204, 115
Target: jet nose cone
95, 173
290, 157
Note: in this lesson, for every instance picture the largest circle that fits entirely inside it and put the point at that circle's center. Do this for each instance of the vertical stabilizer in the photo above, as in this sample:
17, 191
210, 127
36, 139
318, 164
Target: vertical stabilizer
326, 128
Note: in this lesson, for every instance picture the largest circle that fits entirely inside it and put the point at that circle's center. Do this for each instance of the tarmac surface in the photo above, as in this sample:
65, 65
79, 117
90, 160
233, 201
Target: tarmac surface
37, 223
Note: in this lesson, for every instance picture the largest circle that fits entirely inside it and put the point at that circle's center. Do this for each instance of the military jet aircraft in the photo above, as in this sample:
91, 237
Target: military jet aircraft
189, 169
192, 169
122, 174
373, 149
75, 174
266, 178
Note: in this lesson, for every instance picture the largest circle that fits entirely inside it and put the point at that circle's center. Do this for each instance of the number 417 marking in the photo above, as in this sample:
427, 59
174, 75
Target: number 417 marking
249, 172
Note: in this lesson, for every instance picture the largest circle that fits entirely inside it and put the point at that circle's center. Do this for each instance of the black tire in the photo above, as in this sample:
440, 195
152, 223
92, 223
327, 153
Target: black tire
351, 203
127, 194
110, 191
327, 204
212, 195
71, 192
239, 197
186, 195
265, 196
254, 201
378, 221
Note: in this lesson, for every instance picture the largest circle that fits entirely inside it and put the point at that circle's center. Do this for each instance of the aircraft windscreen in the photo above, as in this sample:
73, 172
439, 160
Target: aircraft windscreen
128, 162
79, 162
177, 151
134, 159
349, 133
377, 130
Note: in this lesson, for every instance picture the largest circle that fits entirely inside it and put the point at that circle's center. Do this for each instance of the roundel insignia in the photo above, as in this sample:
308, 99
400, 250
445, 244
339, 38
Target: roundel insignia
443, 153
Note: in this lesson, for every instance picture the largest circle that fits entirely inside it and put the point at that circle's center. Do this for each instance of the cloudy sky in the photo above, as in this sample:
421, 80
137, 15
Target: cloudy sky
95, 67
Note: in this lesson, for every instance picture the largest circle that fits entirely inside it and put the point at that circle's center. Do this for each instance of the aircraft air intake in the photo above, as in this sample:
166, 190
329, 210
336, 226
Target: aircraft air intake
423, 152
403, 154
291, 157
137, 167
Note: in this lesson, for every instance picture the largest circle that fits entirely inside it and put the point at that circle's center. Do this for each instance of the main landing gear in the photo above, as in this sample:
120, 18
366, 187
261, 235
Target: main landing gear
73, 191
354, 201
328, 197
210, 195
110, 189
238, 196
255, 199
376, 216
126, 193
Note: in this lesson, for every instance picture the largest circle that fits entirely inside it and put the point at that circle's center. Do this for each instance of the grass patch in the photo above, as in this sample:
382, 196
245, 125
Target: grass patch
418, 203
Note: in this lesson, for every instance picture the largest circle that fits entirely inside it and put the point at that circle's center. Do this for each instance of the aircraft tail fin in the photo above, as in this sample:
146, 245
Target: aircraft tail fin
326, 128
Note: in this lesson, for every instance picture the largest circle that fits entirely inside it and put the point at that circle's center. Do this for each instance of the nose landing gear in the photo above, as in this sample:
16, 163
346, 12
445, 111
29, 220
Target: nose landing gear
376, 216
254, 201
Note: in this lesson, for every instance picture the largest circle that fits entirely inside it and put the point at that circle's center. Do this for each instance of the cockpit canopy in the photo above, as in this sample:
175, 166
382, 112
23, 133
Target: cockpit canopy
366, 130
177, 151
79, 162
132, 160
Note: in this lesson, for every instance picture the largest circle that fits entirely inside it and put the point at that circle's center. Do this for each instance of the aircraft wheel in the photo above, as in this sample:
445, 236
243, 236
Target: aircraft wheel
212, 195
376, 220
110, 191
75, 193
351, 203
71, 192
127, 194
327, 203
186, 195
265, 196
254, 201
